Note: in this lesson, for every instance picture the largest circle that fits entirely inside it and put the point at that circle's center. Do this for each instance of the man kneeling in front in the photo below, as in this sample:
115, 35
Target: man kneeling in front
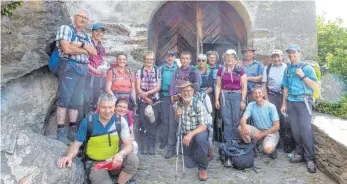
104, 144
266, 122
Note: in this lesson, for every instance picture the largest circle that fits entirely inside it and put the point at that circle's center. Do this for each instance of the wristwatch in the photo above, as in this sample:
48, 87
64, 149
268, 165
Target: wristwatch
303, 77
82, 44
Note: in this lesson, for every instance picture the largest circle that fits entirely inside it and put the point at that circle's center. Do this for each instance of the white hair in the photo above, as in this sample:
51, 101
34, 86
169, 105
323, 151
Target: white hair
106, 97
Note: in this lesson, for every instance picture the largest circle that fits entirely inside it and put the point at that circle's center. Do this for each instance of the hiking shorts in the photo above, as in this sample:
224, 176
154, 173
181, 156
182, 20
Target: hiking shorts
102, 176
270, 140
70, 88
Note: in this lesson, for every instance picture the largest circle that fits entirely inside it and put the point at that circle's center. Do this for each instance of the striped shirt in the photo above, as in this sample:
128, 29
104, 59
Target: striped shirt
149, 81
191, 118
65, 33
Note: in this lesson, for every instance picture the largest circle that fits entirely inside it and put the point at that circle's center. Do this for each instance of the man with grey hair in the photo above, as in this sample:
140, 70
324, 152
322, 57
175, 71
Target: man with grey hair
102, 143
74, 48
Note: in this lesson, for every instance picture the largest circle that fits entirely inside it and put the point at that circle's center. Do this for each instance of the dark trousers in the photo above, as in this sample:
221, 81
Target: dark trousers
148, 132
166, 118
94, 88
276, 99
300, 123
196, 153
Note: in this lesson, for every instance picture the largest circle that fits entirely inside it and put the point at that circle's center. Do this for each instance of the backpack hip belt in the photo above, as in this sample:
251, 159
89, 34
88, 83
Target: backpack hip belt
231, 91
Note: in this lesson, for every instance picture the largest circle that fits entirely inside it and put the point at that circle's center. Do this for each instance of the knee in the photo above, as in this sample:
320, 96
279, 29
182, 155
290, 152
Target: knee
268, 149
131, 164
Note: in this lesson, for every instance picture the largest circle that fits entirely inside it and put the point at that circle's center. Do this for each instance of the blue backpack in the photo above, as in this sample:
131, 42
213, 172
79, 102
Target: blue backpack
52, 51
241, 154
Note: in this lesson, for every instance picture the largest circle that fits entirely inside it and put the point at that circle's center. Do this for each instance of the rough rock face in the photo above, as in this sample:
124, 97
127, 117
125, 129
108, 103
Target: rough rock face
31, 25
331, 144
34, 161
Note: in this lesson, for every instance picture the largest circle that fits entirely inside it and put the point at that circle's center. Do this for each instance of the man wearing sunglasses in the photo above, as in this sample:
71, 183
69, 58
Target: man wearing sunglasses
74, 48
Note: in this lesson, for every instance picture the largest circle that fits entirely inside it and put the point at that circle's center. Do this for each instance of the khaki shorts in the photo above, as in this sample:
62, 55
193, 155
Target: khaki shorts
102, 176
269, 140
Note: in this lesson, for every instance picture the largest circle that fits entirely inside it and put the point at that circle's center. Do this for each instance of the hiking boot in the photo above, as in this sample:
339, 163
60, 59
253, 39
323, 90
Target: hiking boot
273, 155
145, 150
311, 166
228, 163
151, 150
296, 159
72, 133
202, 175
162, 145
62, 135
169, 154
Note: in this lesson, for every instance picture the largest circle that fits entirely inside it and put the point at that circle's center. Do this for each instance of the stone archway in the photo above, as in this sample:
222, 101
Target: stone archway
198, 27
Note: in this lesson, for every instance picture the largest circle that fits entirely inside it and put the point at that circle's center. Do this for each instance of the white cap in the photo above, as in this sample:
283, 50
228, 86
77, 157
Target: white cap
231, 51
202, 57
150, 113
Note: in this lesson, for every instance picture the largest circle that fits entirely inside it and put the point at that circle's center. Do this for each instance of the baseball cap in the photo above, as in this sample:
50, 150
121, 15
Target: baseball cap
293, 48
171, 53
278, 52
231, 51
98, 26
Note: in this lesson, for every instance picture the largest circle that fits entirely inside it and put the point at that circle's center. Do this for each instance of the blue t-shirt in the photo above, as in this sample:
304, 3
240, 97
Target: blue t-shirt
255, 69
99, 128
263, 116
167, 73
297, 88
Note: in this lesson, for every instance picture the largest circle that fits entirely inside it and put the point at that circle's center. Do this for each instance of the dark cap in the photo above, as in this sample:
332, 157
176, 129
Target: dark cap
171, 53
248, 48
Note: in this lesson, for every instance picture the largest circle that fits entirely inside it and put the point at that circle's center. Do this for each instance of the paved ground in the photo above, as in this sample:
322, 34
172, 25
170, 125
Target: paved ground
157, 170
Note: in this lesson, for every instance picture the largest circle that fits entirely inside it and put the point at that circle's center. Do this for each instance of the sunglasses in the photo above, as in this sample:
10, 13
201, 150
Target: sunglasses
201, 60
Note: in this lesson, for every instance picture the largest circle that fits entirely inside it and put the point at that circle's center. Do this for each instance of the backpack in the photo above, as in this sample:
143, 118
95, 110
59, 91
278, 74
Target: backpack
90, 126
52, 51
114, 77
241, 154
191, 75
316, 92
288, 140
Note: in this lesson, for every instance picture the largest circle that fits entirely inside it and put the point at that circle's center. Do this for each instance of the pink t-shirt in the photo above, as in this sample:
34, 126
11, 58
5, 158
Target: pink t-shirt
231, 81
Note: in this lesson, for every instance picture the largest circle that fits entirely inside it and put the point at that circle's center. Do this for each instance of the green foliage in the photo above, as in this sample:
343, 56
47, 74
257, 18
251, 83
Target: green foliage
336, 108
9, 9
332, 45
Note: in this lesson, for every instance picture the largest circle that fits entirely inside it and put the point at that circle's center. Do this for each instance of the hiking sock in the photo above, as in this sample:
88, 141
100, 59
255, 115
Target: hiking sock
61, 126
72, 124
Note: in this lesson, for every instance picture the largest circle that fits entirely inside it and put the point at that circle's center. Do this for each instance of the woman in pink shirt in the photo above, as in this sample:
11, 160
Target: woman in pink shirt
231, 85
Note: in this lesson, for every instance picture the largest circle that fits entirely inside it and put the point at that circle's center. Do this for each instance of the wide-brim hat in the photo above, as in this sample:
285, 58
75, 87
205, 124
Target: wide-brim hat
188, 83
248, 48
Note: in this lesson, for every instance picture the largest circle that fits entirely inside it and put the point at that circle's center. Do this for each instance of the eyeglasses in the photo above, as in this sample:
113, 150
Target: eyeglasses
201, 60
122, 106
187, 91
82, 17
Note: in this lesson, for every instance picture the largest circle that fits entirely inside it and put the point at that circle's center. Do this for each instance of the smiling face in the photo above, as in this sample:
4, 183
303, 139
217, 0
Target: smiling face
212, 59
187, 94
185, 60
277, 59
258, 94
248, 54
230, 59
148, 60
170, 59
294, 56
98, 34
81, 19
106, 108
121, 108
201, 63
122, 60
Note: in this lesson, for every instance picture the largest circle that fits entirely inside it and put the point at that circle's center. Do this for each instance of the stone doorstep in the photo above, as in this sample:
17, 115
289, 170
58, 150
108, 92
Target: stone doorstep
334, 127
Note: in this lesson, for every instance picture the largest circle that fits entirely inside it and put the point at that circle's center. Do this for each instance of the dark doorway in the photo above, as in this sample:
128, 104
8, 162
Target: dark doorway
195, 26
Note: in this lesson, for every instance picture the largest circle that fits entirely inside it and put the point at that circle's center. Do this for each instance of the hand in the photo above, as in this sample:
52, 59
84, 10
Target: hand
208, 90
172, 100
144, 93
242, 105
283, 108
299, 72
187, 138
259, 135
217, 104
97, 71
179, 111
117, 160
103, 73
62, 162
245, 130
76, 44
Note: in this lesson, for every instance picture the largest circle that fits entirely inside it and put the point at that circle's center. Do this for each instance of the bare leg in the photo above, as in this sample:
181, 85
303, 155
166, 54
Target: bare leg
61, 114
124, 177
73, 115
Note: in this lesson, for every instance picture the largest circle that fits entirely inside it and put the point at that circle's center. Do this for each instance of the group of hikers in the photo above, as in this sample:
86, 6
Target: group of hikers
178, 102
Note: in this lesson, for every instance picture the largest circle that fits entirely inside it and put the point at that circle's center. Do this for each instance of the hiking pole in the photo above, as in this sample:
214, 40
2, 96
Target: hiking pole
182, 155
179, 137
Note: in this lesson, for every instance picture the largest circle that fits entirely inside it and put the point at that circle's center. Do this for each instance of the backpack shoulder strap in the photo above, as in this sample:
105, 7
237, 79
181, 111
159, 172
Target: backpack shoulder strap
129, 75
155, 72
268, 70
223, 71
118, 124
90, 127
73, 36
114, 74
141, 73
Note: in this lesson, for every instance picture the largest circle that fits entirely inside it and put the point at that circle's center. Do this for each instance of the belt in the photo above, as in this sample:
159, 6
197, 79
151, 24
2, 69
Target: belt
231, 91
274, 93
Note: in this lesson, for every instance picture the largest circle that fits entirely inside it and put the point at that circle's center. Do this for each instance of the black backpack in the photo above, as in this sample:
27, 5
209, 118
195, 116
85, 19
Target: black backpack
240, 153
288, 141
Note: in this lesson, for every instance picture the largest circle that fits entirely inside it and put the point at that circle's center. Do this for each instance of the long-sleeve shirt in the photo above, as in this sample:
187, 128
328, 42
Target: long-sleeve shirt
181, 75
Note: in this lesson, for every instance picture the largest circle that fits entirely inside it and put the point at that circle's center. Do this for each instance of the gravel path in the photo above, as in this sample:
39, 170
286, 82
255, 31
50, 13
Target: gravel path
158, 170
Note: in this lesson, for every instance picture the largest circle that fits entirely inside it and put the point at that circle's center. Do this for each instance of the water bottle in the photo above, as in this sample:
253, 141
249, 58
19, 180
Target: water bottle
135, 147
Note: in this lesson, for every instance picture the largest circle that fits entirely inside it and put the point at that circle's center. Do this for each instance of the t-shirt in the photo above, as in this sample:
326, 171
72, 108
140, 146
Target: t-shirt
231, 80
99, 128
263, 116
122, 82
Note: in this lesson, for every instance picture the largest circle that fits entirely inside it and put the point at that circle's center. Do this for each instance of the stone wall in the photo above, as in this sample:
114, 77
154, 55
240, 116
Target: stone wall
331, 144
